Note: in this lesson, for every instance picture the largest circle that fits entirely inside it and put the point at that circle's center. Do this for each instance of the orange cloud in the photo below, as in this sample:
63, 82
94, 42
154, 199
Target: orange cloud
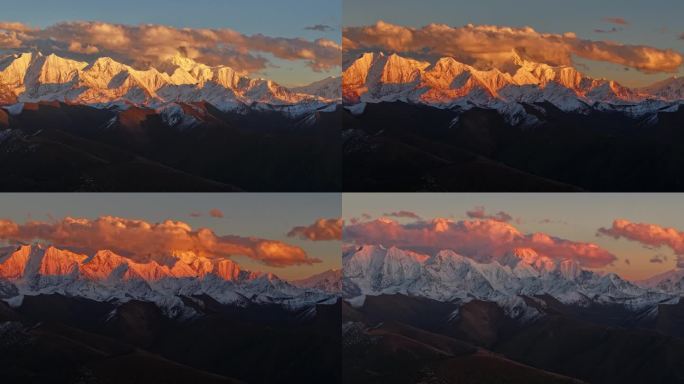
217, 213
149, 43
14, 26
321, 230
143, 241
615, 20
77, 47
490, 45
483, 240
652, 235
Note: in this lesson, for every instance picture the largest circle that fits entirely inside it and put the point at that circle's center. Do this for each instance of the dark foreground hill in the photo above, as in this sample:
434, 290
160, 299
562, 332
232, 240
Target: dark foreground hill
58, 339
407, 147
405, 339
54, 146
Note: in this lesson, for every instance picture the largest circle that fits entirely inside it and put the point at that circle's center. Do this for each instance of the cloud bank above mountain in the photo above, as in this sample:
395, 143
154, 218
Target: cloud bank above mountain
483, 240
143, 241
149, 43
651, 235
491, 45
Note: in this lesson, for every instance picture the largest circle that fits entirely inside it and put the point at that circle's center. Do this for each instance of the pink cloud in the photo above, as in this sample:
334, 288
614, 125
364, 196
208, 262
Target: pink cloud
320, 230
142, 241
483, 240
650, 235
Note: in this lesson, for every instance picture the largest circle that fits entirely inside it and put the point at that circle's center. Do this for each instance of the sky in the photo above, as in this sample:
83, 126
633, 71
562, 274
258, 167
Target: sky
265, 216
272, 18
656, 23
573, 217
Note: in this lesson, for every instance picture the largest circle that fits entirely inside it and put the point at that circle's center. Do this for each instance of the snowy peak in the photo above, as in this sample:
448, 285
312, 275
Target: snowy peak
329, 88
670, 281
56, 70
14, 68
58, 262
13, 264
329, 281
400, 70
669, 89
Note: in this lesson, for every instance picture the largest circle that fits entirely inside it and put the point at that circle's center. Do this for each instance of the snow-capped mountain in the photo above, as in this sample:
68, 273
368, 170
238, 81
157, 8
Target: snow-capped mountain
671, 281
448, 83
668, 89
33, 77
329, 88
448, 276
329, 281
107, 276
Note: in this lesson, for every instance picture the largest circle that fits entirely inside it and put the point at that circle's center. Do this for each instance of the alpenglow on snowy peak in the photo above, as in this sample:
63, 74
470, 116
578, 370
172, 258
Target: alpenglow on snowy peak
106, 276
33, 77
449, 276
448, 83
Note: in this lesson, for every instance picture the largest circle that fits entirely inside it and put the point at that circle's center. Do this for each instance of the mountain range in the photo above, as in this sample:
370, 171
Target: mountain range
108, 277
449, 277
33, 77
448, 83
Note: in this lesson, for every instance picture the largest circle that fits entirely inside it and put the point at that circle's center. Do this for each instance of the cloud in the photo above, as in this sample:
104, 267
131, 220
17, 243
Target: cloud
403, 214
150, 43
483, 240
320, 230
616, 20
195, 214
551, 221
319, 28
216, 213
659, 259
366, 216
490, 45
77, 47
681, 37
612, 30
479, 213
14, 26
143, 241
650, 235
